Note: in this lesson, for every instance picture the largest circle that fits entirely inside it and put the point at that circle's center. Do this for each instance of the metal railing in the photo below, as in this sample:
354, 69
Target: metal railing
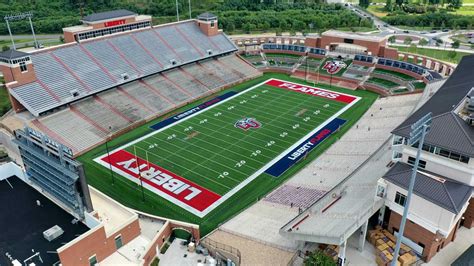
222, 247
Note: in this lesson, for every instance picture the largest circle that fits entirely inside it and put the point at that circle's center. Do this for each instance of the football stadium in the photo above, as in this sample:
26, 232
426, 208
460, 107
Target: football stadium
143, 133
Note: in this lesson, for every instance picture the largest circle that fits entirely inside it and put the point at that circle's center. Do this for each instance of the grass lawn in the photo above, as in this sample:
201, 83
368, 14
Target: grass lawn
383, 82
438, 54
282, 55
129, 193
394, 73
377, 10
464, 10
419, 85
4, 101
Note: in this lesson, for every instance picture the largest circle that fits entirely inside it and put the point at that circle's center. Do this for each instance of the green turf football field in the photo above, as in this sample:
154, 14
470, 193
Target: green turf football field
210, 151
207, 149
215, 151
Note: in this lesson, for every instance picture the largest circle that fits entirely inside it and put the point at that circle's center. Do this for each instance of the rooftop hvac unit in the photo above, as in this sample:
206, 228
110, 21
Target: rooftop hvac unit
209, 52
125, 76
173, 62
53, 233
74, 93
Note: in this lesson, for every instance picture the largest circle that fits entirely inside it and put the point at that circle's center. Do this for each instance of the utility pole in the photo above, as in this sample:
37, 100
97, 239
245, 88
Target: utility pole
418, 132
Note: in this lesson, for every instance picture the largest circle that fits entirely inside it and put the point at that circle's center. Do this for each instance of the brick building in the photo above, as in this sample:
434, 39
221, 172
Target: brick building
443, 193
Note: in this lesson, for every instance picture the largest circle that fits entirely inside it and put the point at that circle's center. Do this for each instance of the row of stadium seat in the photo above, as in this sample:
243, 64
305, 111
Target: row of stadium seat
90, 121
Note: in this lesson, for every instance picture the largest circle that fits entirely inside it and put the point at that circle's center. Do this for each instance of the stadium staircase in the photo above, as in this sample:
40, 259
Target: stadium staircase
299, 63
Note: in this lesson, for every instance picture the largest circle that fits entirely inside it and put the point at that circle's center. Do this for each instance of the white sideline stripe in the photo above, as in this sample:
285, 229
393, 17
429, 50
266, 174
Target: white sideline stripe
231, 192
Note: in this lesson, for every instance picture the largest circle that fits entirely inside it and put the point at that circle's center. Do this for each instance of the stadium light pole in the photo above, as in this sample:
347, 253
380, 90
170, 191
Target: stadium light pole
108, 158
177, 10
10, 33
189, 6
139, 173
418, 132
306, 69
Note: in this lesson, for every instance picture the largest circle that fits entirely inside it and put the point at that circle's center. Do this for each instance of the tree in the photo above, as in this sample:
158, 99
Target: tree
5, 48
456, 44
364, 3
408, 41
392, 39
423, 42
452, 54
318, 258
455, 3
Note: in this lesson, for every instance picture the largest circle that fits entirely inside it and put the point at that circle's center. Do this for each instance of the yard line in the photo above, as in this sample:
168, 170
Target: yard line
210, 143
202, 156
211, 135
235, 143
287, 119
156, 155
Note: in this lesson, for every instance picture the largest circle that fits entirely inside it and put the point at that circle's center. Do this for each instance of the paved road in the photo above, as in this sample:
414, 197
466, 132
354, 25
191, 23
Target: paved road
25, 37
389, 30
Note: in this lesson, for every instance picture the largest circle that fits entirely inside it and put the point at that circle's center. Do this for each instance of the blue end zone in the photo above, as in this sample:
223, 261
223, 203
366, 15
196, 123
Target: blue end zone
191, 111
304, 148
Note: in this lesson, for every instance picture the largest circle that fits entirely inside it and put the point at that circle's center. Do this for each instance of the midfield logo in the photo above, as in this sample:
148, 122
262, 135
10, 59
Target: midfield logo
247, 123
332, 67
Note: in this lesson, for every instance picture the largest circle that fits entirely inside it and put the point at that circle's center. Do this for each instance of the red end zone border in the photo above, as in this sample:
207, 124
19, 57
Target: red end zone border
186, 194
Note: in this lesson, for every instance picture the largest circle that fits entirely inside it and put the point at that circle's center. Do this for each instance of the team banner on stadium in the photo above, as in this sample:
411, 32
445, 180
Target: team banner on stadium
340, 97
304, 148
161, 181
194, 110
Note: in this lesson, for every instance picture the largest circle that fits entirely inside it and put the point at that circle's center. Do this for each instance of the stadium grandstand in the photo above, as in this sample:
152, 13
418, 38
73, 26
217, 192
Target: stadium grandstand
215, 135
86, 90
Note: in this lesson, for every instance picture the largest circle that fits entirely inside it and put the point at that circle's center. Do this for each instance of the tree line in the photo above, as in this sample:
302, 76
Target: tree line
433, 20
50, 16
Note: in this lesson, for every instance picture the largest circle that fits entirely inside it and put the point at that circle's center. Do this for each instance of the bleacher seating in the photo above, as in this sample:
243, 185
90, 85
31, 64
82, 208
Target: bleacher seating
111, 60
295, 196
239, 67
200, 74
136, 55
285, 47
57, 78
186, 82
223, 73
364, 58
102, 118
128, 106
406, 66
317, 51
174, 39
99, 64
88, 122
147, 96
72, 128
167, 89
83, 67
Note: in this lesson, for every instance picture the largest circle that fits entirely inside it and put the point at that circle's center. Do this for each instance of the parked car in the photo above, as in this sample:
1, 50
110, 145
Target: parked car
433, 31
445, 30
405, 31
